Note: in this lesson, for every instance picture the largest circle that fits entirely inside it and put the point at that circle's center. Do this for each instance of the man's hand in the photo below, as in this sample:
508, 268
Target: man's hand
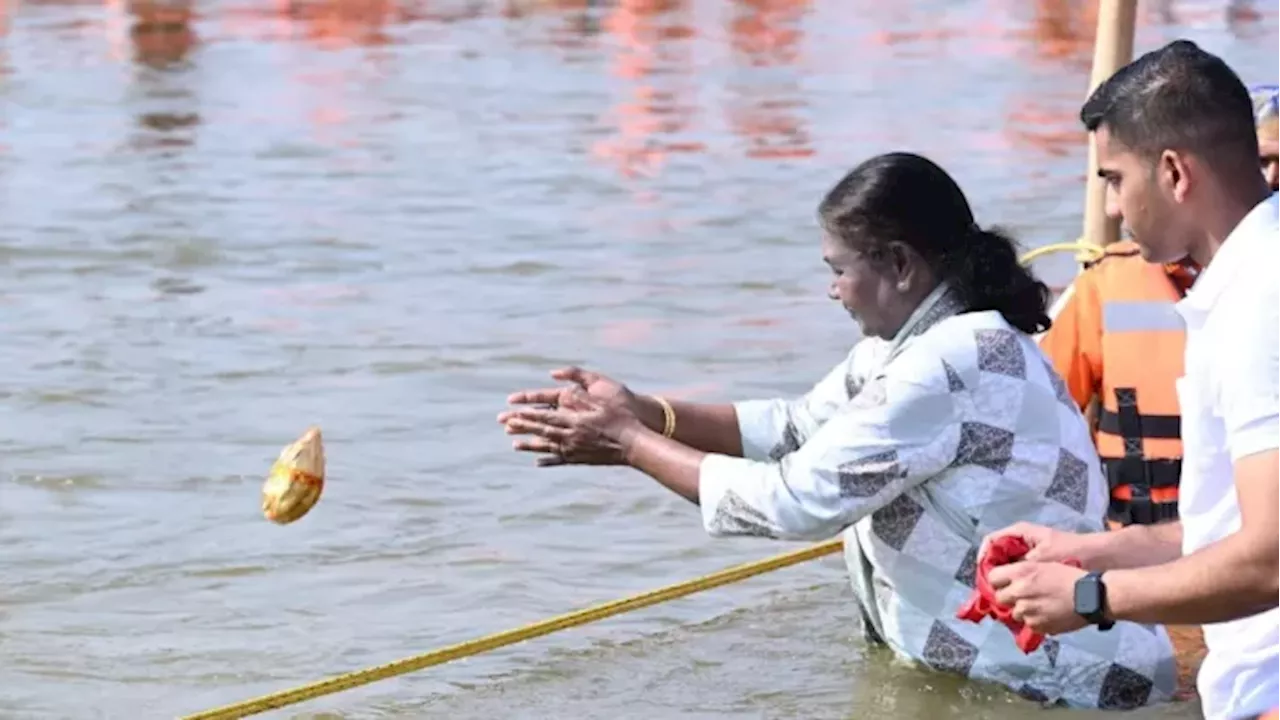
1047, 545
1041, 594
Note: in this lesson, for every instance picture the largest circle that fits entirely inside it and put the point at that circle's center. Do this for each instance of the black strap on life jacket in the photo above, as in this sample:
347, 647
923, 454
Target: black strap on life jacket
1140, 509
1133, 468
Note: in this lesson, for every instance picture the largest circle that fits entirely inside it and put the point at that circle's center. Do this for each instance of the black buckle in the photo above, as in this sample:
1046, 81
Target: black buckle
1132, 471
1159, 473
1119, 512
1164, 473
1141, 511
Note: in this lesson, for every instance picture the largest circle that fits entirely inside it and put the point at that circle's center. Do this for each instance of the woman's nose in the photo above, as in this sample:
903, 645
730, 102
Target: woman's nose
832, 294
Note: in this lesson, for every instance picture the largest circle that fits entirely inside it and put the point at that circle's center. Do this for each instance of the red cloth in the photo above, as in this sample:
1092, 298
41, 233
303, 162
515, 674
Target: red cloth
982, 604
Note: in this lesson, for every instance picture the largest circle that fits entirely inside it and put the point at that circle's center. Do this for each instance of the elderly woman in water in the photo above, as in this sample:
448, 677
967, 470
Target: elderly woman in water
1266, 114
943, 424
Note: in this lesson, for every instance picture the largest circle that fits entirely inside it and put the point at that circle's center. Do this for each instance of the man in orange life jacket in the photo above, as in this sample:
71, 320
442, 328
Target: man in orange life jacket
1117, 339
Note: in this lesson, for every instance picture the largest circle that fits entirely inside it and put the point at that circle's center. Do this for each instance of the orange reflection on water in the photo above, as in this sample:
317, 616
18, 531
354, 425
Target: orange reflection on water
577, 26
1061, 33
1058, 30
328, 115
335, 24
329, 24
766, 33
1058, 35
1242, 12
914, 31
900, 37
160, 31
1063, 30
82, 25
256, 20
1052, 131
325, 92
654, 37
1235, 14
627, 333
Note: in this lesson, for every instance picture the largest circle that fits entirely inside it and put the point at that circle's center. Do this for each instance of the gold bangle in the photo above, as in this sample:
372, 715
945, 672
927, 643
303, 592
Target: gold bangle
668, 417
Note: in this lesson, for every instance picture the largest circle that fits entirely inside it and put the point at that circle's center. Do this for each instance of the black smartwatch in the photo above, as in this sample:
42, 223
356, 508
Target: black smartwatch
1091, 600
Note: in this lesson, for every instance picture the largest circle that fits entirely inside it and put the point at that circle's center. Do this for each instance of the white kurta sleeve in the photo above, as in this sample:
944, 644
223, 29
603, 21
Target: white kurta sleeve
897, 433
772, 429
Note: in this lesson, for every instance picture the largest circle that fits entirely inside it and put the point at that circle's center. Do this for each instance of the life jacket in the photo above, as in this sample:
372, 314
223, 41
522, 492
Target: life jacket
1142, 338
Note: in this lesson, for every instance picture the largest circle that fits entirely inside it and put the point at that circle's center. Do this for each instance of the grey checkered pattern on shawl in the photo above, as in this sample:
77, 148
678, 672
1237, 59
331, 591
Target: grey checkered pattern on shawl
915, 449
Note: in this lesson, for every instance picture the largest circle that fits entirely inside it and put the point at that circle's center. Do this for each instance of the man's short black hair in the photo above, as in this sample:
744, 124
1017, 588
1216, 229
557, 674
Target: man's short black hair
1178, 97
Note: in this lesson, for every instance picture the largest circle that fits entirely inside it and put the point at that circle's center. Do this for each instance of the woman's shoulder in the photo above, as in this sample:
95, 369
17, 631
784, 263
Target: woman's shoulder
867, 354
966, 346
967, 339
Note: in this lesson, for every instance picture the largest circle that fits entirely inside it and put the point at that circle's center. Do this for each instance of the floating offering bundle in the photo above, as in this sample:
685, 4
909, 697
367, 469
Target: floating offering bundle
296, 479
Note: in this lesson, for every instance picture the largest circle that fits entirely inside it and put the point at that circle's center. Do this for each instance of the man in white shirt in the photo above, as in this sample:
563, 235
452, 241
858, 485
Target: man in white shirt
1176, 145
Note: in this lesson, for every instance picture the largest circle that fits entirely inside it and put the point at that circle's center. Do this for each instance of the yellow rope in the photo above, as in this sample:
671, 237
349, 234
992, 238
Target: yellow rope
1084, 251
508, 637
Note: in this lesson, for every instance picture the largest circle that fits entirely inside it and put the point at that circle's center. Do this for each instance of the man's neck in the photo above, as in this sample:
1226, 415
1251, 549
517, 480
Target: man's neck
1222, 216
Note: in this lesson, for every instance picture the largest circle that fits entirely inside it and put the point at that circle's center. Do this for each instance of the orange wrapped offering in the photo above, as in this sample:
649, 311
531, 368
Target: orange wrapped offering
296, 479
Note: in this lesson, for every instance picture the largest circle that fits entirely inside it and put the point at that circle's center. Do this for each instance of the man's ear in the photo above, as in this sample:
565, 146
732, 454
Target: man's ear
1174, 171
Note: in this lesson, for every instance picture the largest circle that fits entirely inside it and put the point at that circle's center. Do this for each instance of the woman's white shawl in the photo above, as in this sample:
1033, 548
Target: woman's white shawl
915, 448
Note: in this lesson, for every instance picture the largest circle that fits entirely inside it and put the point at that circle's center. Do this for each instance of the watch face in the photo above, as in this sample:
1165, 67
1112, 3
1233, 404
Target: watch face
1088, 600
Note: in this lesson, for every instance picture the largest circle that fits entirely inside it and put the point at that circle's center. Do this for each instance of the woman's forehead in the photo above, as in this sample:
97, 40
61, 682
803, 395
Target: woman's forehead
1269, 131
1266, 109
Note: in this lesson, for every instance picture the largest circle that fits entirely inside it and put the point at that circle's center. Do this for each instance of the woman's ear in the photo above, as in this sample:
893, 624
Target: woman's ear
903, 261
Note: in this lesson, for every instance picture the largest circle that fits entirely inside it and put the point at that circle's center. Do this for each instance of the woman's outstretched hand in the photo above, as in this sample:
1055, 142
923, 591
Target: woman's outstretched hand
595, 384
588, 422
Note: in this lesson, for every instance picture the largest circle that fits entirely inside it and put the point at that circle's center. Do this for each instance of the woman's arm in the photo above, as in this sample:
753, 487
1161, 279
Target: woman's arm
671, 462
858, 462
773, 429
708, 427
755, 429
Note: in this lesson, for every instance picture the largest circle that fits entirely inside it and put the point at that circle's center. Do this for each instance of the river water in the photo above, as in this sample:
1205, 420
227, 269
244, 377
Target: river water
380, 219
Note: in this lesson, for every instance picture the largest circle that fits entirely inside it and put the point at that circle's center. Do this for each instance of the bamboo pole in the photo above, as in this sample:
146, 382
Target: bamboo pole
1112, 50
